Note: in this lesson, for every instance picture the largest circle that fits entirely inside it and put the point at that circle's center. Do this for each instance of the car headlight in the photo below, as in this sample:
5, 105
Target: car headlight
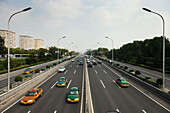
22, 101
29, 100
68, 99
76, 99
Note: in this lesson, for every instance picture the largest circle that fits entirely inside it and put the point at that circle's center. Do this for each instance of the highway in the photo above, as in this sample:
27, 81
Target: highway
3, 77
54, 98
147, 72
106, 94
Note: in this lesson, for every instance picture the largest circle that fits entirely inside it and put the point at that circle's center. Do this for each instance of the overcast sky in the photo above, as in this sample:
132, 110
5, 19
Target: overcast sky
86, 22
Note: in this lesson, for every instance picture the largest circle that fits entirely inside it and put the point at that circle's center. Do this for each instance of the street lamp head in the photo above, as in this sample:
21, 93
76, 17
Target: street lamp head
64, 37
148, 10
106, 37
26, 9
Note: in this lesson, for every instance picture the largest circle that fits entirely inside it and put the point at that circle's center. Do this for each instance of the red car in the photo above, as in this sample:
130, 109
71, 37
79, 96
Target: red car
32, 96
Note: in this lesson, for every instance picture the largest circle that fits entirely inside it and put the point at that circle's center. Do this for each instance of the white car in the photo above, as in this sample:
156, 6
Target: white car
72, 60
61, 69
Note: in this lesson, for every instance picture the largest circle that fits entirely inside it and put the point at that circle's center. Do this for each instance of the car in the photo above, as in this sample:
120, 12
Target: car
72, 60
32, 96
122, 82
73, 95
62, 81
90, 64
99, 61
61, 69
28, 70
112, 111
94, 62
81, 63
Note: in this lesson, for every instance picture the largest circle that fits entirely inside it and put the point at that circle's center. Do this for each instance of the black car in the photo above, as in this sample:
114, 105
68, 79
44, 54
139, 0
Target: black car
81, 63
99, 61
94, 62
90, 64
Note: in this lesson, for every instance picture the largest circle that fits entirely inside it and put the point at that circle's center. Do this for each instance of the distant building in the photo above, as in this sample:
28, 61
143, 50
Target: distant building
38, 43
3, 34
26, 42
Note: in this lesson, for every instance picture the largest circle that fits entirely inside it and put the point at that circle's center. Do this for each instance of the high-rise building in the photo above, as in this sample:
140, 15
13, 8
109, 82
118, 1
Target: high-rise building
38, 43
3, 34
26, 42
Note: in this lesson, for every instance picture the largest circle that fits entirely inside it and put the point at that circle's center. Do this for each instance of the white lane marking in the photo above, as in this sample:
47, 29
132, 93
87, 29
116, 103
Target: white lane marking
105, 71
82, 94
29, 112
99, 65
102, 84
65, 72
144, 111
116, 84
74, 71
70, 66
54, 84
69, 84
140, 91
117, 110
35, 87
96, 71
55, 111
77, 65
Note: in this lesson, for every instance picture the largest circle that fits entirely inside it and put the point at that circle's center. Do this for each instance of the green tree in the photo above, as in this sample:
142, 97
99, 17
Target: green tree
2, 46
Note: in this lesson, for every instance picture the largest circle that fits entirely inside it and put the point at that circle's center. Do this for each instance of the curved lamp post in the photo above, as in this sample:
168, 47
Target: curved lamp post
163, 75
58, 46
112, 48
9, 43
69, 46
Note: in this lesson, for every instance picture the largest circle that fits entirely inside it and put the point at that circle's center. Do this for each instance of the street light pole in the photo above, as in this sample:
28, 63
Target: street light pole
69, 46
112, 48
9, 43
58, 46
163, 75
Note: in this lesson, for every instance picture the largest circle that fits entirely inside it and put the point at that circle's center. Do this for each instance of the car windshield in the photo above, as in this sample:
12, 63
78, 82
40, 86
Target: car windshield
27, 70
30, 94
62, 80
74, 92
62, 67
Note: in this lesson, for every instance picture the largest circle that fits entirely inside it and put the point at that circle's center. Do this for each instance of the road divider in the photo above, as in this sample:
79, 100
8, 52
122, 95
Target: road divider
88, 101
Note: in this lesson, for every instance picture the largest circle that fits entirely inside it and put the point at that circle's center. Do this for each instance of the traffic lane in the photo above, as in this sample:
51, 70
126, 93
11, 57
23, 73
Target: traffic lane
130, 96
145, 71
46, 87
101, 98
76, 82
57, 101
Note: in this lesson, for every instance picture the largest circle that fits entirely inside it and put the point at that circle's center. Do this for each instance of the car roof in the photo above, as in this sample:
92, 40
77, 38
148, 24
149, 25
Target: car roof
74, 89
62, 77
122, 79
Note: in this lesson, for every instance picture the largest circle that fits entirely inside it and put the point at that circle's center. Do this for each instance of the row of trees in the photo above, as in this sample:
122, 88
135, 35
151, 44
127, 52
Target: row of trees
35, 56
147, 52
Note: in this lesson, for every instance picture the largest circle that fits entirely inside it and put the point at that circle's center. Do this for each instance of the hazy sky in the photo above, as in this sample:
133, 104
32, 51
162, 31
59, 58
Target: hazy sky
86, 22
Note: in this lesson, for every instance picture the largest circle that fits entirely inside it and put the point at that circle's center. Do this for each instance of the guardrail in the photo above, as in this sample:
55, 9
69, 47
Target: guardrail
20, 86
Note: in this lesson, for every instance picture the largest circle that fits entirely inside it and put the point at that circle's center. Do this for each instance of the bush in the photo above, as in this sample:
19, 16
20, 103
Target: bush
137, 72
42, 69
159, 81
37, 70
125, 67
148, 77
131, 70
18, 78
47, 66
117, 64
54, 64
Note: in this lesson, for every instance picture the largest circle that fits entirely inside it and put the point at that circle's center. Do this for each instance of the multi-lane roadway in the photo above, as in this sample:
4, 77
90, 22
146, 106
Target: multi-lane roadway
105, 92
